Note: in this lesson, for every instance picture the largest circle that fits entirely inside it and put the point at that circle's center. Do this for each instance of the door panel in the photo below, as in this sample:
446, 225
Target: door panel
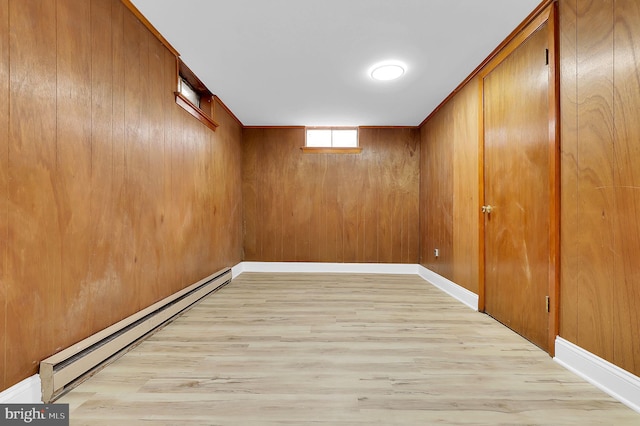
516, 150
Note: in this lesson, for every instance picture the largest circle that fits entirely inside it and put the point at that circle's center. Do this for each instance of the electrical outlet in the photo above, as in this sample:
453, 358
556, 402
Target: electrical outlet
436, 252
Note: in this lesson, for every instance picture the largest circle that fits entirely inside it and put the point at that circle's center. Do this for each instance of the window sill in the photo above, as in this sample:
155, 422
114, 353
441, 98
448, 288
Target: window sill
195, 111
319, 150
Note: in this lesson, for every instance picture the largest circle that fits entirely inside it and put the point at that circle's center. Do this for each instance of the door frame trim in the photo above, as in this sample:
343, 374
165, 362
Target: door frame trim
547, 15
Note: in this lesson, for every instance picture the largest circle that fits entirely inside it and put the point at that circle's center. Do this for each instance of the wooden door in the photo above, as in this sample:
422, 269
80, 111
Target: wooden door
516, 172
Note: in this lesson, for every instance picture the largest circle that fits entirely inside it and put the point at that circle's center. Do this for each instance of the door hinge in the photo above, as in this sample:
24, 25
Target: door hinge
546, 301
546, 56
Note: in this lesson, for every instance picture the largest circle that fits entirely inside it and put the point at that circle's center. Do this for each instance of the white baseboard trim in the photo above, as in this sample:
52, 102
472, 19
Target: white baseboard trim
27, 391
237, 270
465, 296
619, 383
319, 267
458, 292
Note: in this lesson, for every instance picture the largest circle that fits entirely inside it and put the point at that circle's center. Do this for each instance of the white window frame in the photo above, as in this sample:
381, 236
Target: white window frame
331, 146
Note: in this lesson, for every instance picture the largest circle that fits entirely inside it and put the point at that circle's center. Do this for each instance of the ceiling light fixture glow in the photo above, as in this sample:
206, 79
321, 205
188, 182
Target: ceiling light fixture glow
386, 71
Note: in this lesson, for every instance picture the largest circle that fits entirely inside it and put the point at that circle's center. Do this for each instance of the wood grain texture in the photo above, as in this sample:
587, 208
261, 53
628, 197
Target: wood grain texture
516, 183
328, 349
626, 296
599, 242
595, 179
331, 207
117, 197
437, 192
466, 214
35, 244
4, 179
73, 159
449, 189
569, 171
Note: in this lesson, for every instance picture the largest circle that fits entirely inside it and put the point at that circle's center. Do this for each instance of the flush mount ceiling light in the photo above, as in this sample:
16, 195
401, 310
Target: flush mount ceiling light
386, 71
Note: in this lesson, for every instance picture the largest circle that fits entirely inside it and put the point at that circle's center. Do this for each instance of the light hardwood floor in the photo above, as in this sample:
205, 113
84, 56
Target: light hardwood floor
296, 349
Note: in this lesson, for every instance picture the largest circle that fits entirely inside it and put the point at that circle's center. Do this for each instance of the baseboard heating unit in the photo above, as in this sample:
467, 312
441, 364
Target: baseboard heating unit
60, 371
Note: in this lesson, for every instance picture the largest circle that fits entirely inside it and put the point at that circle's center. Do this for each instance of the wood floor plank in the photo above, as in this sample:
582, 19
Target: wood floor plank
325, 349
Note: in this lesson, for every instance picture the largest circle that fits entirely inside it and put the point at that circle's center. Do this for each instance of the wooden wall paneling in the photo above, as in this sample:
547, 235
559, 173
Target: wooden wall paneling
4, 179
208, 192
444, 202
301, 208
101, 267
272, 200
437, 169
170, 274
381, 159
595, 179
114, 189
134, 155
387, 203
399, 165
331, 207
191, 175
250, 175
425, 193
569, 171
349, 169
112, 308
72, 192
626, 297
189, 198
178, 208
292, 222
145, 272
331, 249
228, 204
34, 231
202, 155
317, 186
465, 183
413, 213
155, 285
422, 196
371, 194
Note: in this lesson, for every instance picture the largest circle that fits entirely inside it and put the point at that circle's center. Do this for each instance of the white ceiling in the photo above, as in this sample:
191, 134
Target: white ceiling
305, 62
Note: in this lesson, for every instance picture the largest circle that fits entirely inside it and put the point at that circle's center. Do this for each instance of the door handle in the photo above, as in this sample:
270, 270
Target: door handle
487, 209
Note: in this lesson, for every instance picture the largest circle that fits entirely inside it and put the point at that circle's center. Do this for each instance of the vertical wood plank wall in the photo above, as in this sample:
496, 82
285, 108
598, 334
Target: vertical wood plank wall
600, 74
600, 177
449, 217
4, 179
111, 196
331, 207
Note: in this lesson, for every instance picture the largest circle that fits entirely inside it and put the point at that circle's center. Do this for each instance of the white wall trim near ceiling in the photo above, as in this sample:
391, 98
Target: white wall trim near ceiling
27, 391
619, 383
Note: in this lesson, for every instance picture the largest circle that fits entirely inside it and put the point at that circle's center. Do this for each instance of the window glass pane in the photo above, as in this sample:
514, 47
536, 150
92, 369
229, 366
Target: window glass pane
189, 93
347, 138
319, 137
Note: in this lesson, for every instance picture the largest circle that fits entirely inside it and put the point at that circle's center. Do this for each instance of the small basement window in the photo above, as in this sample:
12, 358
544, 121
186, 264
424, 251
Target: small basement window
185, 89
332, 140
192, 95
